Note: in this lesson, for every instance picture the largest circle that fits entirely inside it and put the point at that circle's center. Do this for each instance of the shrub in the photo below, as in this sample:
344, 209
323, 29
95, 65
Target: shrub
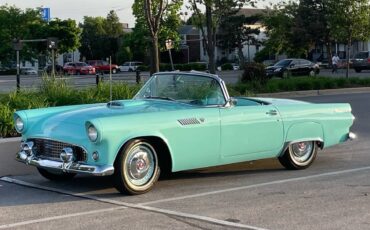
227, 66
143, 67
6, 121
254, 72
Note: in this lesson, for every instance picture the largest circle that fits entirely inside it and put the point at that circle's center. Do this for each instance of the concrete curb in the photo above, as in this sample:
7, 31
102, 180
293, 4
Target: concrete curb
308, 93
10, 139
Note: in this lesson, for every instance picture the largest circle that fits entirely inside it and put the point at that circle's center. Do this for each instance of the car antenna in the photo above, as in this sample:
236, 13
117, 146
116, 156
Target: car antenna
110, 78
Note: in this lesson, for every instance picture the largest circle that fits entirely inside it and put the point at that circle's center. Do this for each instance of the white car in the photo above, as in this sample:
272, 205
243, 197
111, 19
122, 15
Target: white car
28, 71
129, 66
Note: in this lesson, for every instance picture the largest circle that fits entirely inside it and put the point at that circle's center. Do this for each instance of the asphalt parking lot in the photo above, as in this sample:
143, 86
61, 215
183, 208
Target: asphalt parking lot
8, 83
334, 193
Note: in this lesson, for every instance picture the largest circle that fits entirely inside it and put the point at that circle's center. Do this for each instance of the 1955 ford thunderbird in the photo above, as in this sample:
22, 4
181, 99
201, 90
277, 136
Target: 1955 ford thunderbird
177, 121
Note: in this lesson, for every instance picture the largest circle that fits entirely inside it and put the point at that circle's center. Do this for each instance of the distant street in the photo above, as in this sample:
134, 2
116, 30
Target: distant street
332, 194
8, 83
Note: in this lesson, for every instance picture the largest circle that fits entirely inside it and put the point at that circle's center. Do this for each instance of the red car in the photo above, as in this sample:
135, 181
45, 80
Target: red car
78, 68
103, 66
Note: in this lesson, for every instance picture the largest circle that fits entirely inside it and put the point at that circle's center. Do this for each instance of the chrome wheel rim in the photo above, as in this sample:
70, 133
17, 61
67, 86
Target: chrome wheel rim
140, 164
301, 152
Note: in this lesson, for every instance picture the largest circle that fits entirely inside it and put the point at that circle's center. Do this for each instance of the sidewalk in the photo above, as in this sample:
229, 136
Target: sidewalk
307, 93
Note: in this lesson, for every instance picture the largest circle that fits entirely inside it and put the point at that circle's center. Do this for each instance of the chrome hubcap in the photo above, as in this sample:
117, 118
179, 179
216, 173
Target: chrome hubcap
301, 151
140, 164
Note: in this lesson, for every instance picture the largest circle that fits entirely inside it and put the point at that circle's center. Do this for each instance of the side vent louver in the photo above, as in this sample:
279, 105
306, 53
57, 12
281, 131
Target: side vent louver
189, 121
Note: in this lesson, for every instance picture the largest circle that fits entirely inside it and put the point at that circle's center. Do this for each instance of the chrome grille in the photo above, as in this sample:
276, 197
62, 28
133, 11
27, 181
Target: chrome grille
50, 149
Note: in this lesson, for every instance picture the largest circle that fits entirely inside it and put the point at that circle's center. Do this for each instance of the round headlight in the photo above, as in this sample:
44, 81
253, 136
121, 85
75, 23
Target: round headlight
19, 124
92, 132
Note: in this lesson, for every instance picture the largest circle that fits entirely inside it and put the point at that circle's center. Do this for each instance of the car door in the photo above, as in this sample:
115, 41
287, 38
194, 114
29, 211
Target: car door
294, 67
248, 131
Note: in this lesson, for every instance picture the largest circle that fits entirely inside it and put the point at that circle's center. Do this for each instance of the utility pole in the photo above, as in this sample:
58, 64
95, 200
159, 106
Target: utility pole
17, 46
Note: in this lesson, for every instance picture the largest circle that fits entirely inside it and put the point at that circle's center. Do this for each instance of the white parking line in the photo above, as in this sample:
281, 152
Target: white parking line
125, 205
59, 217
256, 185
142, 206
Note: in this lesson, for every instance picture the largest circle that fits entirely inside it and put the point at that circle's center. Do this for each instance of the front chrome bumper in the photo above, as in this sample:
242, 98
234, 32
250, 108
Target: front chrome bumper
70, 167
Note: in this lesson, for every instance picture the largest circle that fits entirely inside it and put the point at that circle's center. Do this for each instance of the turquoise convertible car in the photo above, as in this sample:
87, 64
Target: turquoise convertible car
177, 121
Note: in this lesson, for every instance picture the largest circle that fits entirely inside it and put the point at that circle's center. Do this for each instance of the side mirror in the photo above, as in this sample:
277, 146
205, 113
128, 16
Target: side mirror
233, 101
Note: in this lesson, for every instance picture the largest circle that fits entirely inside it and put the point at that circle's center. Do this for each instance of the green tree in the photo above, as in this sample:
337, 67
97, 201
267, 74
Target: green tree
350, 21
100, 37
28, 24
279, 22
215, 10
235, 32
312, 24
17, 24
160, 19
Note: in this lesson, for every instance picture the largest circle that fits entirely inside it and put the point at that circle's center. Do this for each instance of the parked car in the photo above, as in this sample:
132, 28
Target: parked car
103, 66
78, 68
292, 67
129, 66
57, 68
177, 121
361, 61
28, 71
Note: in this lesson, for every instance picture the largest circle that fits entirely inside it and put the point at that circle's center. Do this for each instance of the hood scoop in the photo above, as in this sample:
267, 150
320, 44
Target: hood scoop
115, 105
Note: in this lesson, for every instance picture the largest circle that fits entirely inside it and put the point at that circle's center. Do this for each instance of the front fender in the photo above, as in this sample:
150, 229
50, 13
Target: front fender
141, 134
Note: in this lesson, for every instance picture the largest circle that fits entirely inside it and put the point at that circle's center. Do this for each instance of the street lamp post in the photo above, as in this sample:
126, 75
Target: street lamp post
169, 46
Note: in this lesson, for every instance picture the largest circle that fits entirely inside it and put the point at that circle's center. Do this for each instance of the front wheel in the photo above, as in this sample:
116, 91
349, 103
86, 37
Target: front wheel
358, 70
136, 168
56, 176
299, 155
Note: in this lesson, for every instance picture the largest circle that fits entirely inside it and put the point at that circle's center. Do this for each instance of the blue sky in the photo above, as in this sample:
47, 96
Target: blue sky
76, 9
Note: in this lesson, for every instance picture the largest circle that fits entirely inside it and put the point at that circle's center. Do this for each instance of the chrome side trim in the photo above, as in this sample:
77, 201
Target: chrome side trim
71, 167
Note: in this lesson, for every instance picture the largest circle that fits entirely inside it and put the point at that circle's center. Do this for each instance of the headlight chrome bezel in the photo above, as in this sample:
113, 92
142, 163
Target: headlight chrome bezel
19, 124
92, 132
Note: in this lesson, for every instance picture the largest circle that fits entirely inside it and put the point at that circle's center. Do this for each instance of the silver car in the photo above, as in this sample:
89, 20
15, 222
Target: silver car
361, 61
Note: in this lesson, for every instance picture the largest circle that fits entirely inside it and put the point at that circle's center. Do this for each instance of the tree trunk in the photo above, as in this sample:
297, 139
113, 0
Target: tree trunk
241, 55
330, 54
155, 56
210, 40
347, 57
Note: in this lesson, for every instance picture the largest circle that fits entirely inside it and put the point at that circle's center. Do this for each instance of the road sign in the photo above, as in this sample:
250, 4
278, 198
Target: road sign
45, 14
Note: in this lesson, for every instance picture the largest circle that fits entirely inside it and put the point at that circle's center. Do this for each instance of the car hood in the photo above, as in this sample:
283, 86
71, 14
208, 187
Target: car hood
115, 108
68, 122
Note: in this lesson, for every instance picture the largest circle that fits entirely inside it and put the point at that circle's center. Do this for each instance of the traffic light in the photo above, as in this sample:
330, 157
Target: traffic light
17, 44
52, 43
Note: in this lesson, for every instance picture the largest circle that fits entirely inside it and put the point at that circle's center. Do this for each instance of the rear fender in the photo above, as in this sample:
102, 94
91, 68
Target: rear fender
306, 131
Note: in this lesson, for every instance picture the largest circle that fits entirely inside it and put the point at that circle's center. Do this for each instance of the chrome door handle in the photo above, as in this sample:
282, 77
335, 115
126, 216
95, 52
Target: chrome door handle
272, 112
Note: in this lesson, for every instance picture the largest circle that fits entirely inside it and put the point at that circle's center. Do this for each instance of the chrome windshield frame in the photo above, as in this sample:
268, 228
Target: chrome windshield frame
199, 74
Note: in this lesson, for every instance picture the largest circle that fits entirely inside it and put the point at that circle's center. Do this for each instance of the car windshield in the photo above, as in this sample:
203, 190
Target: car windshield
361, 55
185, 88
284, 62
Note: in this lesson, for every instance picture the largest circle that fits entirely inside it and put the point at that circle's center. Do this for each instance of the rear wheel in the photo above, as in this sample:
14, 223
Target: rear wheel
56, 176
136, 168
299, 155
114, 71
